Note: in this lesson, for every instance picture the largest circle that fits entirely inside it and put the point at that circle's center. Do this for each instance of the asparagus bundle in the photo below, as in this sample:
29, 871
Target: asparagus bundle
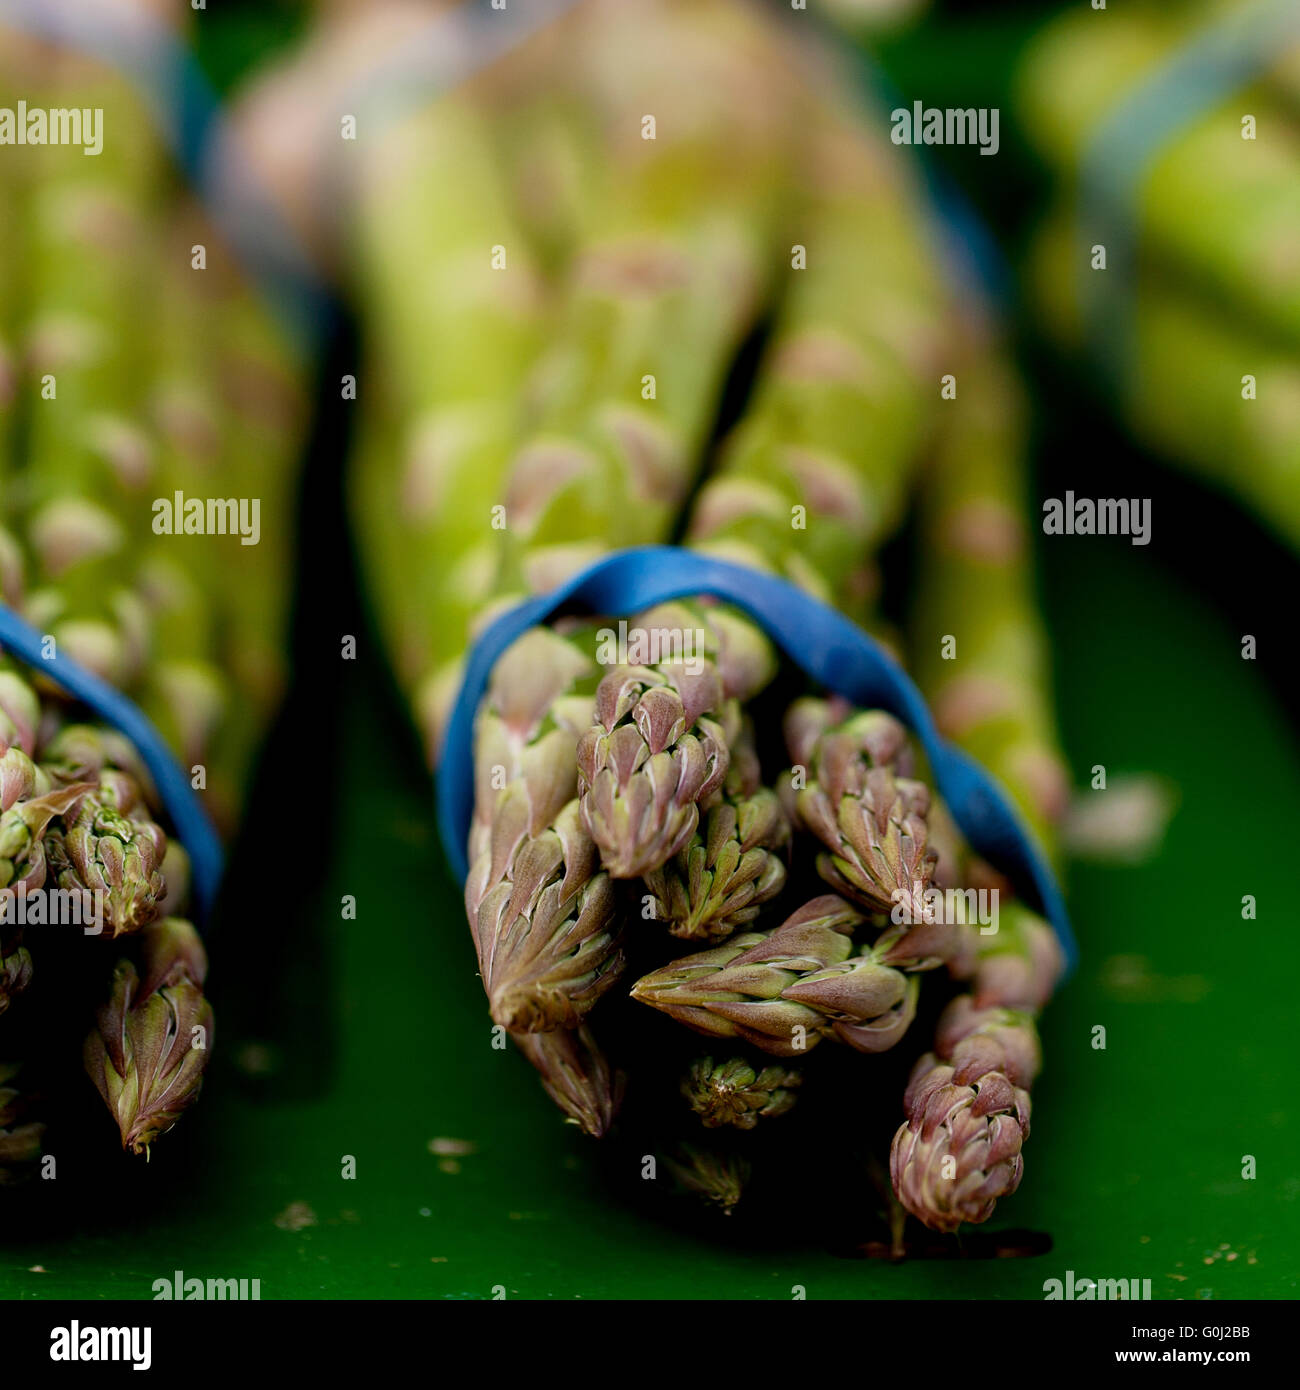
1213, 295
627, 797
120, 366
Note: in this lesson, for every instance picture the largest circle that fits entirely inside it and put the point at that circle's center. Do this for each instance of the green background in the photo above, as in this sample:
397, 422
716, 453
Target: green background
368, 1037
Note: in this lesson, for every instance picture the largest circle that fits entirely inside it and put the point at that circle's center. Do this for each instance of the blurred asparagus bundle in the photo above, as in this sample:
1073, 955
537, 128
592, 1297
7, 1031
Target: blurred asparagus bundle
642, 188
143, 382
1201, 333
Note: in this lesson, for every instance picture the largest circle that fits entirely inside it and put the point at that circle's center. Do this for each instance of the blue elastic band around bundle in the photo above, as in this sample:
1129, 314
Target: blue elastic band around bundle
189, 821
835, 652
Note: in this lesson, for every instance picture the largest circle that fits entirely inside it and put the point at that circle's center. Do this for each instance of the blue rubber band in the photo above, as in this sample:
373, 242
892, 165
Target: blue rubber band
189, 821
823, 643
1205, 71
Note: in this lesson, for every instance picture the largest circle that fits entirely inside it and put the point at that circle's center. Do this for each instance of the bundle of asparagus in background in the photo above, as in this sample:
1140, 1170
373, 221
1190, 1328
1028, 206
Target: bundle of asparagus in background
688, 871
140, 374
1213, 295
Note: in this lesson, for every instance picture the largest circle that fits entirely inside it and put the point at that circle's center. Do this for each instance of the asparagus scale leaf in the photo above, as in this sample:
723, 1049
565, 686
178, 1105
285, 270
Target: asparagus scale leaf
153, 1038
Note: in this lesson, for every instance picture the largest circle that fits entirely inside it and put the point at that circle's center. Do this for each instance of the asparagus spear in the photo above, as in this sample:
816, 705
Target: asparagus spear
449, 341
714, 1175
665, 282
733, 863
967, 1102
785, 990
20, 1137
543, 917
86, 448
111, 852
22, 835
654, 751
186, 693
19, 710
153, 1038
870, 817
816, 475
976, 586
15, 964
734, 1092
576, 1075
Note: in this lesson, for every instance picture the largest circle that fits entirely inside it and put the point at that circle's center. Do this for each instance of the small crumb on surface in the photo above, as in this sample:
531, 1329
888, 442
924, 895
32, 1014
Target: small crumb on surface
452, 1148
37, 1269
297, 1216
448, 1165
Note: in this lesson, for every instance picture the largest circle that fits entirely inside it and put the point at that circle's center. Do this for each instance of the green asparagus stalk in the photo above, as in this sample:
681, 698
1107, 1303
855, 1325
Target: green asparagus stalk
185, 691
977, 644
665, 282
816, 475
1188, 396
88, 456
449, 340
1240, 243
967, 1102
734, 1092
263, 377
153, 1039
